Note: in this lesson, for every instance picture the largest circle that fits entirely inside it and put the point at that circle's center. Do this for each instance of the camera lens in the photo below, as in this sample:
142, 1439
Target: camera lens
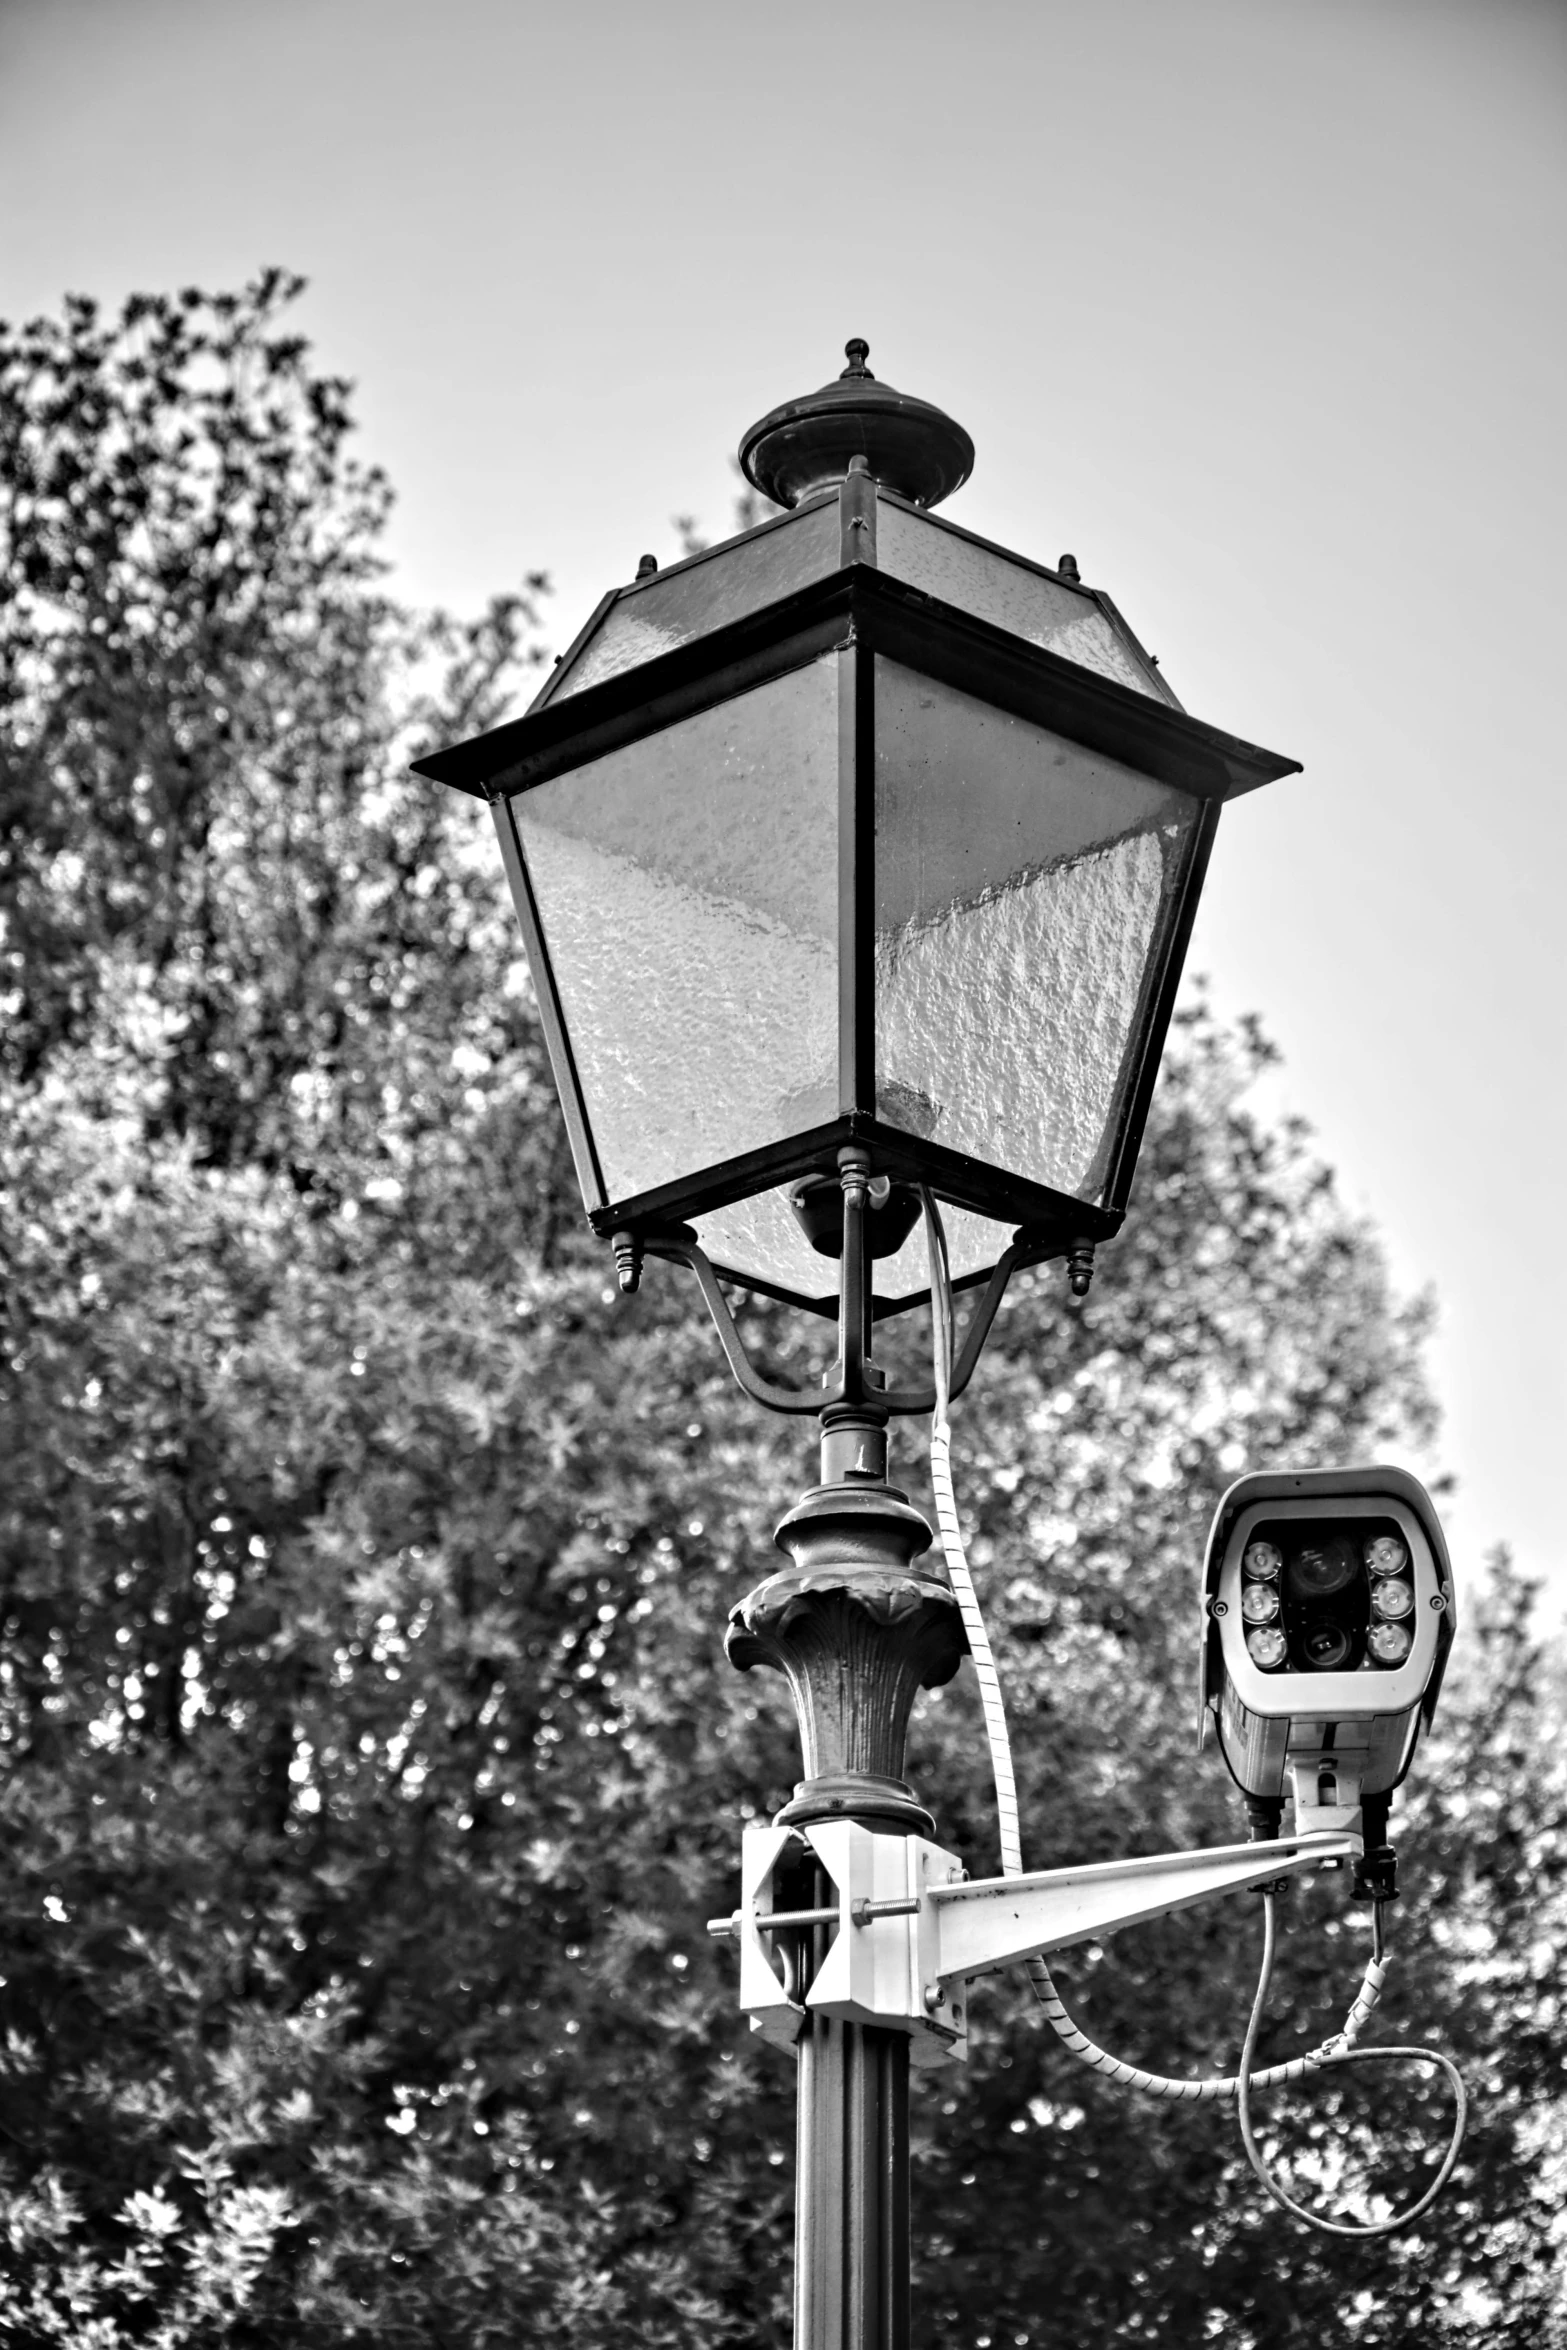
1259, 1603
1393, 1598
1323, 1567
1266, 1644
1324, 1647
1386, 1555
1262, 1559
1389, 1643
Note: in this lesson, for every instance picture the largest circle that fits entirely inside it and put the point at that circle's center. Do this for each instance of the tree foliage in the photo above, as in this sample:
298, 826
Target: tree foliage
370, 1764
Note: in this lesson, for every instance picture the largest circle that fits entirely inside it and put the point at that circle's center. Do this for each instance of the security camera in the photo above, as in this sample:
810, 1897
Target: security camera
1327, 1615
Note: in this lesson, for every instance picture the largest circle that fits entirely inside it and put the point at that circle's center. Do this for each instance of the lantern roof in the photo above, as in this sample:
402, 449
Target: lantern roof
1048, 606
630, 673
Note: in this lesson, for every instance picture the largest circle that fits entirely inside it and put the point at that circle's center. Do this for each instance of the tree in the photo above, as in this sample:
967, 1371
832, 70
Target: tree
370, 1765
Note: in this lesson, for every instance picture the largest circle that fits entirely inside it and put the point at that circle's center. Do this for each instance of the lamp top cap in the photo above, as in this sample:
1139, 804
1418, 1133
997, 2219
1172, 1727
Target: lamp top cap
808, 444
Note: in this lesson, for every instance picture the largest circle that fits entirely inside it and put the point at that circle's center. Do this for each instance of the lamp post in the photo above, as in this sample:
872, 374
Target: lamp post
854, 857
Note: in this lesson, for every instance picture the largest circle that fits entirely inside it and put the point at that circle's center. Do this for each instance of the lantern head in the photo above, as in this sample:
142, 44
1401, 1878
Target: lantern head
855, 831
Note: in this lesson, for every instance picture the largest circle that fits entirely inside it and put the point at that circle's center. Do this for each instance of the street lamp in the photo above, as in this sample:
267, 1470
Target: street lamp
855, 860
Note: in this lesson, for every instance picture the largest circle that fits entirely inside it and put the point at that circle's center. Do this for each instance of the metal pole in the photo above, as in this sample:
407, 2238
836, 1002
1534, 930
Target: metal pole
852, 2190
858, 1630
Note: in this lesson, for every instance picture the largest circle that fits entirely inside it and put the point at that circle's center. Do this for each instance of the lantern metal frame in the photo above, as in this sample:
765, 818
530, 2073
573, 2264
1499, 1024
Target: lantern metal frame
861, 612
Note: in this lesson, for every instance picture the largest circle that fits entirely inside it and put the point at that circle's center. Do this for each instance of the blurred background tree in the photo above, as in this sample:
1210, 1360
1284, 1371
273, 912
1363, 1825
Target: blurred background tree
369, 1760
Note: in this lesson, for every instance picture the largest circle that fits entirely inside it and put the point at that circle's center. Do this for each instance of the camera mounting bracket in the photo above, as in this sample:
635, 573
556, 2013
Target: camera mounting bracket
902, 1933
1327, 1790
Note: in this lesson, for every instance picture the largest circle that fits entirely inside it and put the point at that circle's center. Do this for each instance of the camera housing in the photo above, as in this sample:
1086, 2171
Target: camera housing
1327, 1615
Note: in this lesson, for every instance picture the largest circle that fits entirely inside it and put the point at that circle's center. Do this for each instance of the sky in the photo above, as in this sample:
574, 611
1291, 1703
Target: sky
1256, 308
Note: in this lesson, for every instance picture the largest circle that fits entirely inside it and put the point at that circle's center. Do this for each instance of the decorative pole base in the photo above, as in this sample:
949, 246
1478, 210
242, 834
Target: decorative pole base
856, 1644
858, 1631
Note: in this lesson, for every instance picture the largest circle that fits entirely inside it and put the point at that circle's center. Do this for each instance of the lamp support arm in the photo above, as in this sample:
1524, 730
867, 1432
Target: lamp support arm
679, 1250
853, 1378
976, 1331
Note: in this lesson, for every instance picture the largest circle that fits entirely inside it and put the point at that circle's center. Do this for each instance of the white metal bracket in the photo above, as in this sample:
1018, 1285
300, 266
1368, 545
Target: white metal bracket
906, 1935
765, 1995
1327, 1792
878, 1926
1005, 1919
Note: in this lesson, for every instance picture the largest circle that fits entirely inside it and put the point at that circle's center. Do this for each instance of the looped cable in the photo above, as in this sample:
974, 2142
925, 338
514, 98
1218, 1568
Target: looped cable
1243, 2084
1339, 2053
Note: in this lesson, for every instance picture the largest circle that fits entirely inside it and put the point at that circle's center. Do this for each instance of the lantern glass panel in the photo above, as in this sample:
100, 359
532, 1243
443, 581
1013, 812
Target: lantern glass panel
687, 887
960, 570
1023, 885
725, 584
759, 1238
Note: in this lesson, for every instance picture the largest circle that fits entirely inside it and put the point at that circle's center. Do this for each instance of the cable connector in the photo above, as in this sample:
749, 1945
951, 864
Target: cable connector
1376, 1874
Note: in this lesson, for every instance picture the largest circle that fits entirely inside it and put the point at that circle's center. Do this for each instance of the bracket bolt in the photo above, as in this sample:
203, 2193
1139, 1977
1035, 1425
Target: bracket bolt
628, 1262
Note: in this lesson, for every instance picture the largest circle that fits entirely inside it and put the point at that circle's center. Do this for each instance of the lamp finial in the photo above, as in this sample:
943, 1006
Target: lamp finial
807, 445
